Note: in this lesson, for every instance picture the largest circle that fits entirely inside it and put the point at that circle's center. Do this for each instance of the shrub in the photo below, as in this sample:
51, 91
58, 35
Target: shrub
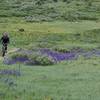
21, 30
62, 50
42, 60
19, 55
34, 59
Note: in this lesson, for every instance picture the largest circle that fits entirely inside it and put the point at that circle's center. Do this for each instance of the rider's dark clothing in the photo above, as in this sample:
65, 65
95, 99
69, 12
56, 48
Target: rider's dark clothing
5, 40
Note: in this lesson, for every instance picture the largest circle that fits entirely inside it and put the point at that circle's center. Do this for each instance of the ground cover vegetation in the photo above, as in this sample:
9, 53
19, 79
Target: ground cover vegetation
54, 50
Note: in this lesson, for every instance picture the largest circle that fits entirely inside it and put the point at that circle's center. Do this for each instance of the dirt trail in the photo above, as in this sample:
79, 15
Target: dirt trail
10, 51
13, 50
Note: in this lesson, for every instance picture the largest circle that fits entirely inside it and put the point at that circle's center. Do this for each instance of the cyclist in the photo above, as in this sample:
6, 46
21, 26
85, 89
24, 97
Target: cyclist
4, 40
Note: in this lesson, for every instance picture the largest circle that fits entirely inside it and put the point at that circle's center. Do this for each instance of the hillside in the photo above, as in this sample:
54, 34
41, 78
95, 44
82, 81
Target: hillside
54, 50
50, 10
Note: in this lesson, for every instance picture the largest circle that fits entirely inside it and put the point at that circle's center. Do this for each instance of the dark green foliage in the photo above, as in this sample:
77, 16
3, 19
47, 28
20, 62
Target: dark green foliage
62, 50
21, 30
55, 0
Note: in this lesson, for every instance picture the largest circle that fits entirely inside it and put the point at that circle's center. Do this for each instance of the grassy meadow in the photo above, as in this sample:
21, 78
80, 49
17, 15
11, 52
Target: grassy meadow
57, 25
69, 80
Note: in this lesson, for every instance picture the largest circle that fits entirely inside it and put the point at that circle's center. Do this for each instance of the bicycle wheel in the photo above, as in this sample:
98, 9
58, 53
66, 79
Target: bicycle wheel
3, 51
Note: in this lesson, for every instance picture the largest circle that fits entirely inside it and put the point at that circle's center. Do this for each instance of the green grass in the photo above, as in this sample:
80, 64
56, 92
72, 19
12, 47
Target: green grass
70, 80
60, 32
14, 24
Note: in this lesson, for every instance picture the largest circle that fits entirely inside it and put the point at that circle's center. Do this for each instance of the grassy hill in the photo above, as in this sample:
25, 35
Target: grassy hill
17, 14
50, 10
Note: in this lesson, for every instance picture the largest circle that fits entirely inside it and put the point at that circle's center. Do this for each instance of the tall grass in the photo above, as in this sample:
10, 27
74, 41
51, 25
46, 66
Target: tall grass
50, 10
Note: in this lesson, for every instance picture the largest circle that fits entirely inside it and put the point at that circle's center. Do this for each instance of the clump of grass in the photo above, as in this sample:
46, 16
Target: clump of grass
19, 55
41, 60
62, 50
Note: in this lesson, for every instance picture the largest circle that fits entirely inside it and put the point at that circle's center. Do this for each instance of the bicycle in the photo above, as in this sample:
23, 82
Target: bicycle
4, 49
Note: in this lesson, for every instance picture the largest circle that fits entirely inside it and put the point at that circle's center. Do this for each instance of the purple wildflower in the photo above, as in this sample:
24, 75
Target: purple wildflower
9, 61
57, 56
10, 72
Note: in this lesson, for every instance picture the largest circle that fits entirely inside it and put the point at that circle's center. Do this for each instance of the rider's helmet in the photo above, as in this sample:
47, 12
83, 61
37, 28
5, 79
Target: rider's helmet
5, 34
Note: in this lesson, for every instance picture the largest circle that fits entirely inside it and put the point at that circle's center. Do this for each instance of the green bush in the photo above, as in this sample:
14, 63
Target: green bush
18, 55
41, 59
62, 50
33, 59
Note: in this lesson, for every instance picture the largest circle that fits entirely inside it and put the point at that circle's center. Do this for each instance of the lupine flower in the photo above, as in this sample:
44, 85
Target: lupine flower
54, 55
10, 72
16, 60
58, 56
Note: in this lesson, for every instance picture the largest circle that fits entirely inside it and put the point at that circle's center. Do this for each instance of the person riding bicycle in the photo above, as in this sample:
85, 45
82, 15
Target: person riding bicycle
4, 40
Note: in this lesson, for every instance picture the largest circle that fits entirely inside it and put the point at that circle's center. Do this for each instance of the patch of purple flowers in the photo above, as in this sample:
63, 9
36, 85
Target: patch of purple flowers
10, 72
9, 61
58, 56
55, 55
